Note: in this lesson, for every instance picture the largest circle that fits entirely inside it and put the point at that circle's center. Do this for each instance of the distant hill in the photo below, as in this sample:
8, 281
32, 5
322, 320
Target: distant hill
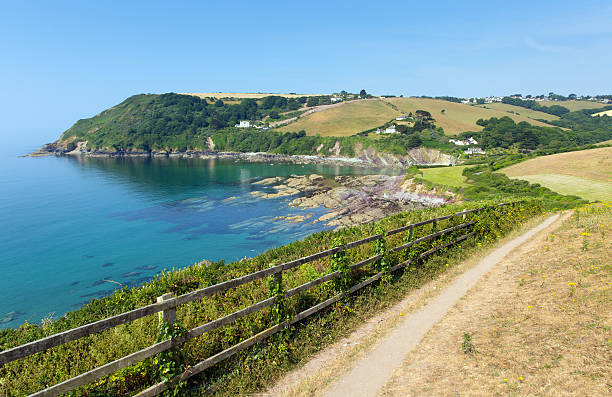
574, 105
252, 95
532, 114
354, 117
584, 173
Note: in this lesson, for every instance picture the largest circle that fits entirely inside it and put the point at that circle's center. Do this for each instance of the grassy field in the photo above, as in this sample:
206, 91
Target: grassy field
532, 114
585, 173
450, 176
574, 105
351, 118
457, 117
344, 120
253, 95
605, 112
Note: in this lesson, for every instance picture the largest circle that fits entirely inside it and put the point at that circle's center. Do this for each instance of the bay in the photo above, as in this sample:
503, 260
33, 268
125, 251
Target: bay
77, 228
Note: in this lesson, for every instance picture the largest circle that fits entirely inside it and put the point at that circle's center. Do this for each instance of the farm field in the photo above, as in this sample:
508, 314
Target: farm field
585, 173
354, 117
574, 105
457, 117
532, 114
605, 112
252, 95
450, 176
347, 119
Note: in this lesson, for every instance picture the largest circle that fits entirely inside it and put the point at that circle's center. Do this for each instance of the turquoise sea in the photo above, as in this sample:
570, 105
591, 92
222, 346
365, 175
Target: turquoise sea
71, 223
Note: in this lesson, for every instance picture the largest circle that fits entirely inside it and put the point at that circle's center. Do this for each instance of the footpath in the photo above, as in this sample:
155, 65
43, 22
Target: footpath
365, 362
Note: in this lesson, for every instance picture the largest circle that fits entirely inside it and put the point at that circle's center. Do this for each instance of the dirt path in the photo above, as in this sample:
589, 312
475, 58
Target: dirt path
382, 344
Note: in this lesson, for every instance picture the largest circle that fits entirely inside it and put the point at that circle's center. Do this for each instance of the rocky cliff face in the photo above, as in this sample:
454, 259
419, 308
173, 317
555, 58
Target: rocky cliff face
367, 157
416, 156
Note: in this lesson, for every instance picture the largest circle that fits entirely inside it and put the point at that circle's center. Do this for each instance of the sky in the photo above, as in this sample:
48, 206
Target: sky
62, 61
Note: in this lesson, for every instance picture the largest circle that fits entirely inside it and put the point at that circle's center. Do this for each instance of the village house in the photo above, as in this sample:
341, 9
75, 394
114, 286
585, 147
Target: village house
243, 124
474, 150
389, 130
467, 142
401, 118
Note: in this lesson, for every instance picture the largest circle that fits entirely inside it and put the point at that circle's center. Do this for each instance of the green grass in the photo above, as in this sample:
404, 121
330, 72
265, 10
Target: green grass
449, 176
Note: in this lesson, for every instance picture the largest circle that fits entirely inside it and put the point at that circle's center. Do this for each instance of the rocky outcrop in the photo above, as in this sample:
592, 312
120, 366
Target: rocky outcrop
416, 156
354, 200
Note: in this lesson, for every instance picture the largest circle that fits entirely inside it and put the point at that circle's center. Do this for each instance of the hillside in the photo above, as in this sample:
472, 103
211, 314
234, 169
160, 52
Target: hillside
574, 105
351, 118
532, 114
585, 173
457, 117
347, 119
242, 95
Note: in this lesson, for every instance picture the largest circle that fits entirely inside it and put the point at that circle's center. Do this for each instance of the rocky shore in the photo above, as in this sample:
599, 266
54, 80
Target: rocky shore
351, 200
363, 157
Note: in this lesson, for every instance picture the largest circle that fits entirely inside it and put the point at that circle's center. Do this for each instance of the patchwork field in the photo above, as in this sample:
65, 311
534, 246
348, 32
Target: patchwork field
347, 119
574, 105
253, 95
457, 117
450, 176
586, 173
532, 114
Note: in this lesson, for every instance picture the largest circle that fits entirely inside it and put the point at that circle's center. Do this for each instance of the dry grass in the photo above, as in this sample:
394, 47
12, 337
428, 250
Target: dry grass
574, 105
347, 119
243, 95
457, 117
532, 114
540, 323
315, 376
585, 173
351, 118
605, 112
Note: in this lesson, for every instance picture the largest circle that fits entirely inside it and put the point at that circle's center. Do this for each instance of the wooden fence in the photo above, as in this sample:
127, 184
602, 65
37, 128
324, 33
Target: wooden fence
166, 305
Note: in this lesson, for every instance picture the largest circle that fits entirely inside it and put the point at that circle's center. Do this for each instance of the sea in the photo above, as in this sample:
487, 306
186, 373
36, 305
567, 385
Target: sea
77, 228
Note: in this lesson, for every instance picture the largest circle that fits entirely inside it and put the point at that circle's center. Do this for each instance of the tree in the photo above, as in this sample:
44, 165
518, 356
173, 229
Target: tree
312, 101
363, 94
414, 141
219, 103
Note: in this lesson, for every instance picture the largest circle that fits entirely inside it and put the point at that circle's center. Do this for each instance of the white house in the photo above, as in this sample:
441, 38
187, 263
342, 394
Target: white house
389, 130
335, 99
401, 118
474, 150
467, 142
243, 124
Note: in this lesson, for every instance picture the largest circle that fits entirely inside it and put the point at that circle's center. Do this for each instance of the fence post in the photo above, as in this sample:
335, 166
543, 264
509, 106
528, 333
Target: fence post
169, 315
464, 215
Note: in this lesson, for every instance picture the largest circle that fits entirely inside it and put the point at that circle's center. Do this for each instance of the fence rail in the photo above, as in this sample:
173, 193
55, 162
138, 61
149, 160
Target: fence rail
169, 304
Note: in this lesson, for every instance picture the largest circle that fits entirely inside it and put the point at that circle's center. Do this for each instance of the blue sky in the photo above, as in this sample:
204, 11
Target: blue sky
62, 61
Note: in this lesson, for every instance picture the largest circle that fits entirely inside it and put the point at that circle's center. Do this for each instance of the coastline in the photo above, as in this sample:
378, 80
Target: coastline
367, 160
